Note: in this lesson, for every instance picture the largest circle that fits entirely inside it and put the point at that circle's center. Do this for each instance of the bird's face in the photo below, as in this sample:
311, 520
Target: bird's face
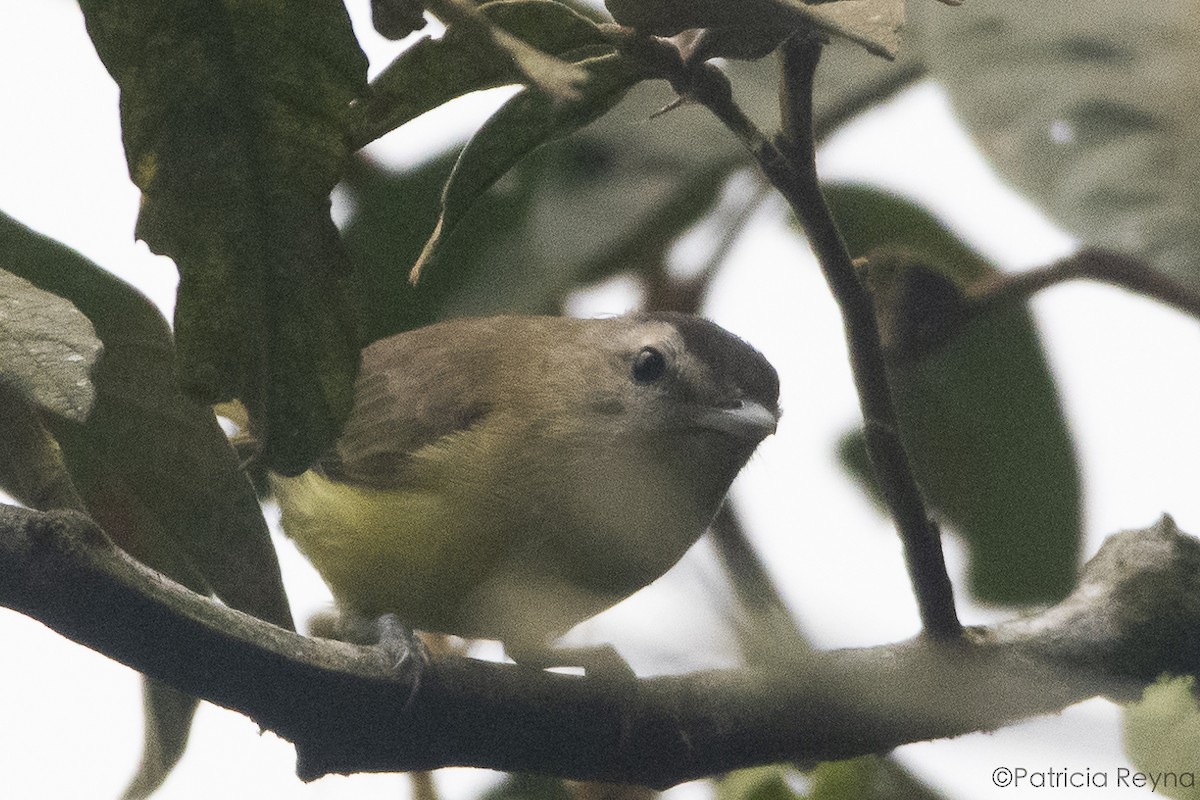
682, 391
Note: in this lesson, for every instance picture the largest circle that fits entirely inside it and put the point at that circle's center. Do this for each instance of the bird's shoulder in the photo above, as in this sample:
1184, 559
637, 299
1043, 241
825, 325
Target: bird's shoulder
414, 389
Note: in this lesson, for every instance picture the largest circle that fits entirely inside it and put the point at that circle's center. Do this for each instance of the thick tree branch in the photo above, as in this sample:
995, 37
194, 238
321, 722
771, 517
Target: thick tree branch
1135, 615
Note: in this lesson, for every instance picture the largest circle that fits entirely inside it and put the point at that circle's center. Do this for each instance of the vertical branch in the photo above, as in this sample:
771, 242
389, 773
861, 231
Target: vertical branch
799, 184
789, 164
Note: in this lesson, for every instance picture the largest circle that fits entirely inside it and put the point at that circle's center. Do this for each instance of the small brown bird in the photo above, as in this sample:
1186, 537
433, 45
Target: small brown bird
508, 477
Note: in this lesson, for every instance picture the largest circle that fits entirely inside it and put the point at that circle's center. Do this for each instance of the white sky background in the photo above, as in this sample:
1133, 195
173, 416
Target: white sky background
69, 719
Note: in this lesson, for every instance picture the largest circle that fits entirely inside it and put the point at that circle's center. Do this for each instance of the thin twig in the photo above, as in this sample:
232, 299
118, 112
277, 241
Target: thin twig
919, 533
771, 633
1103, 266
667, 292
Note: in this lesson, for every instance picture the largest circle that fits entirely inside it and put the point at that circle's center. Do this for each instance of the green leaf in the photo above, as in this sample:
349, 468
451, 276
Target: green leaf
979, 415
47, 346
643, 249
233, 118
153, 466
503, 258
435, 71
757, 783
32, 468
1162, 737
526, 121
489, 269
168, 716
866, 778
1088, 110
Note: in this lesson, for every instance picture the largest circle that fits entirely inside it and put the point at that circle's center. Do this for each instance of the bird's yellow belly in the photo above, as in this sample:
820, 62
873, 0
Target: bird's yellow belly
384, 551
421, 556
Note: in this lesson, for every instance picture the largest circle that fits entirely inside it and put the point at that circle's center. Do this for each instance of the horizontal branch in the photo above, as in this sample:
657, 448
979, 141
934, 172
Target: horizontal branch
1096, 264
1135, 615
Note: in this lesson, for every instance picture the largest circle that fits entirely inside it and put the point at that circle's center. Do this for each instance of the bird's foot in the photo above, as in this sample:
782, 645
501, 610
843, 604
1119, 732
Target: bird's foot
406, 655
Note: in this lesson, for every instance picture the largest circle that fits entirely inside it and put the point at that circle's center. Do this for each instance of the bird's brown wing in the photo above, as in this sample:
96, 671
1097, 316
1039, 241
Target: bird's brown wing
412, 391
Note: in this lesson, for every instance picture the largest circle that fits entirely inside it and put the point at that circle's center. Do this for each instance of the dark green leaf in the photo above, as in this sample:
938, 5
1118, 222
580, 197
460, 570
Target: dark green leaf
395, 19
606, 200
526, 121
168, 721
32, 469
233, 119
980, 417
434, 71
747, 42
504, 259
153, 467
669, 17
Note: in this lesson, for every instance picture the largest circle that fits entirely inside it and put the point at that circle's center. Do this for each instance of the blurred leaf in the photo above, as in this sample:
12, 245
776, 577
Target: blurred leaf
526, 121
874, 24
644, 249
549, 225
1089, 108
47, 347
506, 256
488, 269
980, 417
233, 121
1162, 737
168, 716
757, 783
434, 71
866, 778
521, 786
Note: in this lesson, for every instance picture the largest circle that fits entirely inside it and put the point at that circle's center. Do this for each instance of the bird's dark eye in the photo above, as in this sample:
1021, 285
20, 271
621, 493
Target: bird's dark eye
649, 365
